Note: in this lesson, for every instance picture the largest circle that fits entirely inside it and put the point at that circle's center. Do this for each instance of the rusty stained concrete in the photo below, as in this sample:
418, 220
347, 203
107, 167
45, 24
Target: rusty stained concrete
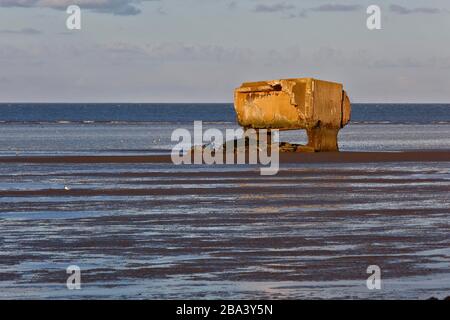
320, 107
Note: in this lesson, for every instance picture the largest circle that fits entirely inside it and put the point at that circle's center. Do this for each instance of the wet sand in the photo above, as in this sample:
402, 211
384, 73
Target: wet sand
325, 157
140, 227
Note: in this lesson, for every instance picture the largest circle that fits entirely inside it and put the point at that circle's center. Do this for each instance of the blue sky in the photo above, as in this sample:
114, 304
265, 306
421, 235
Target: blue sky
200, 50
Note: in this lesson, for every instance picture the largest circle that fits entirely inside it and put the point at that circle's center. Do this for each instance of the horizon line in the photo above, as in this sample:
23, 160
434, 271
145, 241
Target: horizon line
189, 102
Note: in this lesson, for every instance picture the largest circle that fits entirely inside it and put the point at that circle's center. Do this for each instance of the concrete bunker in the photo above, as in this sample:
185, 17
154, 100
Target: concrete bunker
320, 107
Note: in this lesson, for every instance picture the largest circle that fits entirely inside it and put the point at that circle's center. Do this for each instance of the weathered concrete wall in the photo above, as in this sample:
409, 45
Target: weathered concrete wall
320, 107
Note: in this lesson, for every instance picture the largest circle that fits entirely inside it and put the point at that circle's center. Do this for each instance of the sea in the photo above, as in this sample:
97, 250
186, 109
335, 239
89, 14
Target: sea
50, 129
160, 231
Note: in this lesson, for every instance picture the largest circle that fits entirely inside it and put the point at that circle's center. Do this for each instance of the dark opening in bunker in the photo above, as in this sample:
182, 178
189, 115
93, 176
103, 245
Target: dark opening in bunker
277, 87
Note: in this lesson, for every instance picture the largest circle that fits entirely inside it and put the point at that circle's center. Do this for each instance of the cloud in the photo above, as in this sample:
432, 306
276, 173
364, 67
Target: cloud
161, 11
403, 10
116, 7
282, 7
276, 7
194, 52
232, 5
170, 53
25, 31
337, 8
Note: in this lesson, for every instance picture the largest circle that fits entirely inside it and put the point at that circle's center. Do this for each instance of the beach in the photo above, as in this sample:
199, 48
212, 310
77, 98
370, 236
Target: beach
140, 227
92, 187
239, 152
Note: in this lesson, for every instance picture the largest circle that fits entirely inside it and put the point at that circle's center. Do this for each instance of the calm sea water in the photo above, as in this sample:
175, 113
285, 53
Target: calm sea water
219, 231
110, 112
147, 128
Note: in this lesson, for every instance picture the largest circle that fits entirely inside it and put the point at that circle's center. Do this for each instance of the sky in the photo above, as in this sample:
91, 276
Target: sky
200, 50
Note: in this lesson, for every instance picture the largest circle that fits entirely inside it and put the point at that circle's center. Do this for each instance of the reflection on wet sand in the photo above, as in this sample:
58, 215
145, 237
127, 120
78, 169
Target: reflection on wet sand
147, 230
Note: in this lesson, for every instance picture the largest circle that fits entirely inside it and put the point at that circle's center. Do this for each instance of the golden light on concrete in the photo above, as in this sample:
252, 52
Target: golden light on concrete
320, 107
